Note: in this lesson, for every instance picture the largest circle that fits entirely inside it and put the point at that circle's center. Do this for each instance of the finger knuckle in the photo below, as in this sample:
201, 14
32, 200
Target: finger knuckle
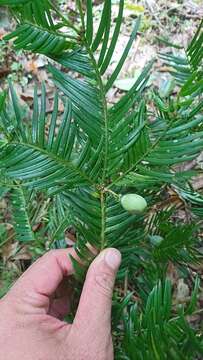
50, 253
104, 284
49, 256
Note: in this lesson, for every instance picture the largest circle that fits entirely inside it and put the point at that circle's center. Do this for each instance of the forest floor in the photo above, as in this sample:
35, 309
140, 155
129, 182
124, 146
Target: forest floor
174, 20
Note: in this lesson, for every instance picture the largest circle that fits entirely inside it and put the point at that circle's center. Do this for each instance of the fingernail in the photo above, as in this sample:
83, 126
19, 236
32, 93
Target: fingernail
113, 258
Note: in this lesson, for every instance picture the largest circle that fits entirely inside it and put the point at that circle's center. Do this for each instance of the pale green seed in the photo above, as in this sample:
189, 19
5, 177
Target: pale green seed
156, 240
133, 203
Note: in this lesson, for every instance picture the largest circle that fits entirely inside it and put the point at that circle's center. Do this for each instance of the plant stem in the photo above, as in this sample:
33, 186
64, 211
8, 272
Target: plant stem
102, 91
103, 217
115, 195
105, 115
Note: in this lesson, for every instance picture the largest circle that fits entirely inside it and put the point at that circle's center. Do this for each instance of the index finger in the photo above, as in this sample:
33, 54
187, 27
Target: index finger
45, 275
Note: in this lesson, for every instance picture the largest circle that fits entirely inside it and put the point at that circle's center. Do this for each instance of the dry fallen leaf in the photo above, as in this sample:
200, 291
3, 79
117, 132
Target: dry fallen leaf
182, 291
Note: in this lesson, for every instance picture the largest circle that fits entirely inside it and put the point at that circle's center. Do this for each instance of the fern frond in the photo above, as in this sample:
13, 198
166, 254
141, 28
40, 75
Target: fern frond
59, 220
41, 161
149, 244
85, 204
177, 245
118, 68
2, 100
179, 67
103, 36
195, 49
78, 61
156, 333
112, 45
39, 40
85, 207
36, 11
14, 2
87, 106
187, 69
22, 225
166, 142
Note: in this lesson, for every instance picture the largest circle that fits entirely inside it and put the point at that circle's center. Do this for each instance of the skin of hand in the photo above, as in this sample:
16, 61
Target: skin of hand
32, 312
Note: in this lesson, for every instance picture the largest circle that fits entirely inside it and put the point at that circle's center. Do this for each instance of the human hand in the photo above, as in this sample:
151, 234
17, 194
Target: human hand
31, 326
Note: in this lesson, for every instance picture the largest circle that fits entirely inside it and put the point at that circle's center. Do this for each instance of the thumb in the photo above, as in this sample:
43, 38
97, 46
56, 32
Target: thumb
94, 309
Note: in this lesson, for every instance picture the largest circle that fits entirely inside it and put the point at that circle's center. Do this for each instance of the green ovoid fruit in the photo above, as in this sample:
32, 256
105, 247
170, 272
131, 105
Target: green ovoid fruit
156, 240
133, 203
